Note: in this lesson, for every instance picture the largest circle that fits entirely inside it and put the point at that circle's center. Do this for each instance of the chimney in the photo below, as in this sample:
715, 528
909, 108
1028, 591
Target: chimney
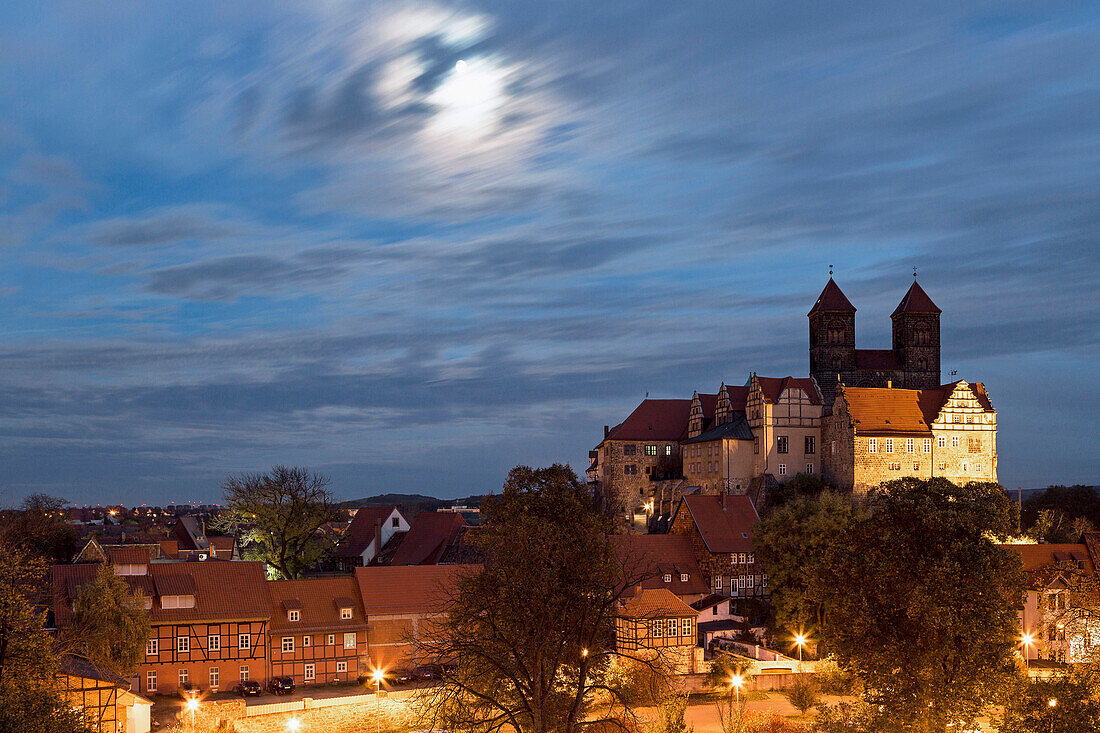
606, 430
377, 537
889, 384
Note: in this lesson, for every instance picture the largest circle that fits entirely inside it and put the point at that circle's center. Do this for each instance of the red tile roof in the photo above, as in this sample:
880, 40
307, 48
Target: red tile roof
124, 555
725, 522
1035, 557
319, 600
656, 603
408, 589
915, 300
360, 533
223, 591
658, 555
886, 410
654, 419
877, 359
223, 545
738, 397
428, 538
832, 299
772, 387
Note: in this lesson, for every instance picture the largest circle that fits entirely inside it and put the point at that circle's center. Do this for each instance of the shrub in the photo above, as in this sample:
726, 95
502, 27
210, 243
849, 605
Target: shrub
802, 693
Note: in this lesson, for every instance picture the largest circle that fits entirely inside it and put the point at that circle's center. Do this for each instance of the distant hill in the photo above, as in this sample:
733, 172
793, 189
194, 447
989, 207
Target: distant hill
424, 503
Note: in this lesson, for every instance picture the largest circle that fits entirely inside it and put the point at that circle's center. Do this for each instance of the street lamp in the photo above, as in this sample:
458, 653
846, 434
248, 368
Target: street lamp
800, 641
735, 682
1052, 703
1026, 640
192, 706
584, 652
293, 725
376, 678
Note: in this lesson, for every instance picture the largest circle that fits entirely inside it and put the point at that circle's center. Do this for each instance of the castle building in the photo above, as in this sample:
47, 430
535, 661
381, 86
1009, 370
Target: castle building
912, 363
876, 434
862, 417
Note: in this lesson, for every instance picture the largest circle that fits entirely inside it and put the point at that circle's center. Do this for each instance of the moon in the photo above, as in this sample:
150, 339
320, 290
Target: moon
460, 66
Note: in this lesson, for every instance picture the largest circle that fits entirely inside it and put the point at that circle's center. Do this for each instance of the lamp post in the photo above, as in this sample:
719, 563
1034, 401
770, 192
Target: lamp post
800, 641
735, 683
376, 678
1026, 640
192, 705
1052, 703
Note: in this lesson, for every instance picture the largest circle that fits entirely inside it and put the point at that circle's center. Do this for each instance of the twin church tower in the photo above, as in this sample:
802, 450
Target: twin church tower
912, 363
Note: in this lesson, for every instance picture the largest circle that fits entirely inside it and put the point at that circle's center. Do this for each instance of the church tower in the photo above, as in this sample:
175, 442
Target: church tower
832, 340
917, 339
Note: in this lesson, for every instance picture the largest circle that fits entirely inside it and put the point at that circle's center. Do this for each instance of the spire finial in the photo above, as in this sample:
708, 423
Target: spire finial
914, 272
830, 270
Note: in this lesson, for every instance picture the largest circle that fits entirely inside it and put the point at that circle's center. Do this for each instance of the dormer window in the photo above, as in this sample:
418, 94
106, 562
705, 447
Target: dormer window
668, 577
294, 615
345, 614
683, 577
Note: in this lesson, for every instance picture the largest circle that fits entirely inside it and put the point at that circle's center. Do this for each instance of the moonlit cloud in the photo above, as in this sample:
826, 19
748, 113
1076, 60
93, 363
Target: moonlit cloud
250, 233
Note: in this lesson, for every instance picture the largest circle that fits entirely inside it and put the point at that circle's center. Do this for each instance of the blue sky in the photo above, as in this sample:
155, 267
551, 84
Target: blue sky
412, 245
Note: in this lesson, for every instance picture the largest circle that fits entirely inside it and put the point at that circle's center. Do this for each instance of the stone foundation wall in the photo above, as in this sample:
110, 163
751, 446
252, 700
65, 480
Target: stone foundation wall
391, 713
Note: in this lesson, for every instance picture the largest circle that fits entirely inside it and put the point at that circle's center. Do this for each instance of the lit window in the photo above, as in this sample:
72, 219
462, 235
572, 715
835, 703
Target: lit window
310, 673
872, 445
668, 577
673, 628
685, 626
215, 678
717, 582
750, 558
244, 641
294, 615
349, 640
909, 445
656, 628
683, 577
809, 468
214, 642
332, 639
183, 644
307, 640
341, 666
889, 446
288, 645
782, 469
183, 677
651, 450
668, 450
244, 673
927, 445
941, 442
152, 647
151, 682
345, 613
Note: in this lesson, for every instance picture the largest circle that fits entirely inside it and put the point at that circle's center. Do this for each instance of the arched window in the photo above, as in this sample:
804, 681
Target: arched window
922, 363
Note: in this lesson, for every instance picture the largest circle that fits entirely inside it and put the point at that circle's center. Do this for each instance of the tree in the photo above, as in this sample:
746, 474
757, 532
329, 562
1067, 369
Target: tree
1028, 709
800, 543
109, 623
802, 693
29, 657
42, 528
806, 485
528, 641
672, 716
913, 595
286, 506
1068, 502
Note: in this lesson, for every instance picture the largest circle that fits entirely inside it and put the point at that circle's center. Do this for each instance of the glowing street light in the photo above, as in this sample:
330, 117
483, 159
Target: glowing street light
376, 677
293, 725
1052, 703
1026, 640
192, 705
735, 682
584, 652
800, 641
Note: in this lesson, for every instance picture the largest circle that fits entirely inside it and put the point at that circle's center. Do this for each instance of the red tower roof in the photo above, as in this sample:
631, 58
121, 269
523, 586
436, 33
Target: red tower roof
915, 301
832, 299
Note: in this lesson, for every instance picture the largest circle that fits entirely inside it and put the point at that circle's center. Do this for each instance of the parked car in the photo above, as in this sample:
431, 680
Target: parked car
403, 677
428, 673
187, 690
280, 685
249, 688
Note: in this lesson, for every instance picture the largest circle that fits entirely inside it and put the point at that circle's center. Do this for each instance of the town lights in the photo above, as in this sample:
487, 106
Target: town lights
584, 652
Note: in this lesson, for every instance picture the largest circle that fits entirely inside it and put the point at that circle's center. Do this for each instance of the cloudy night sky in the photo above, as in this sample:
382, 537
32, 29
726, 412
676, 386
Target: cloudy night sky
412, 245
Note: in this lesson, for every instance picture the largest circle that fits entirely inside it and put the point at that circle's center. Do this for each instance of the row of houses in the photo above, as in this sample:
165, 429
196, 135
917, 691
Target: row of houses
216, 624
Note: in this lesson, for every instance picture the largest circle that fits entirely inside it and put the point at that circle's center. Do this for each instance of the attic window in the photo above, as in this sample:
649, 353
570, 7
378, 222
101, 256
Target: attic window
668, 577
294, 615
744, 534
684, 576
345, 613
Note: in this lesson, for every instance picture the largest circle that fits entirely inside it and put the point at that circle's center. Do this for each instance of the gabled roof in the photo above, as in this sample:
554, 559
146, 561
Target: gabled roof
738, 396
223, 545
772, 387
360, 533
654, 419
877, 360
409, 588
657, 555
223, 590
724, 522
832, 299
428, 538
736, 429
705, 604
1036, 557
656, 603
129, 554
915, 300
884, 410
319, 600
